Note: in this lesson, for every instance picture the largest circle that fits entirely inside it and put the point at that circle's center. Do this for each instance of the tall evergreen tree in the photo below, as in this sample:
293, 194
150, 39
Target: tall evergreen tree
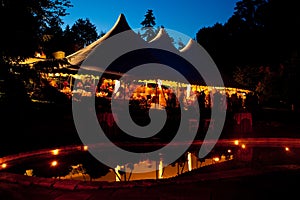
84, 32
148, 26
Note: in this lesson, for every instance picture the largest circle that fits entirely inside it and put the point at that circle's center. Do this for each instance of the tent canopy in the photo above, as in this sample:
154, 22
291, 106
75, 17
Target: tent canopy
160, 50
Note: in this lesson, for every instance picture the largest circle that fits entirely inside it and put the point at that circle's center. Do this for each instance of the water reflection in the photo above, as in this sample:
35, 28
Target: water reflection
81, 165
146, 169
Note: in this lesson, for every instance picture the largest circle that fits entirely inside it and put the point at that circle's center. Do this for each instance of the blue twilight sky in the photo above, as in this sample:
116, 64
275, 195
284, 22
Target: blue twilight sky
184, 16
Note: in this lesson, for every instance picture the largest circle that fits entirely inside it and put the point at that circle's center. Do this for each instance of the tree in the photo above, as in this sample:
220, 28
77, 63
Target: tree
22, 24
249, 12
148, 26
84, 32
213, 39
102, 33
259, 33
68, 41
52, 38
247, 76
93, 167
180, 44
27, 26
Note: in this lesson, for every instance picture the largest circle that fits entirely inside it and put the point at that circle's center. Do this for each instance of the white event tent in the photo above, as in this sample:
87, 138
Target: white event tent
162, 41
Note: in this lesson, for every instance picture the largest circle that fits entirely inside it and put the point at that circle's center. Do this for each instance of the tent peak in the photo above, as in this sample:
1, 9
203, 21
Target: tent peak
163, 40
120, 25
162, 34
189, 46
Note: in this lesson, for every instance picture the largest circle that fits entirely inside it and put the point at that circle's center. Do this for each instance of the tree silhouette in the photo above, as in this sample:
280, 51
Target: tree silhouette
22, 23
52, 38
148, 26
180, 44
68, 41
259, 33
84, 32
22, 26
93, 167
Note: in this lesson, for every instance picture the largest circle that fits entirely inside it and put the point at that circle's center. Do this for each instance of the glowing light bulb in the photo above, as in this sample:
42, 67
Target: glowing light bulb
236, 142
287, 149
216, 159
4, 165
54, 163
55, 152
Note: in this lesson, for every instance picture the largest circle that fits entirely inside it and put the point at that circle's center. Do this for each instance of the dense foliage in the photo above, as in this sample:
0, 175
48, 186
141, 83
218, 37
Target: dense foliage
23, 23
259, 47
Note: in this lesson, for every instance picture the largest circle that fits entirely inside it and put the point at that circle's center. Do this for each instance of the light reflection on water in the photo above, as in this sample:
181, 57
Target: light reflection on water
81, 165
151, 169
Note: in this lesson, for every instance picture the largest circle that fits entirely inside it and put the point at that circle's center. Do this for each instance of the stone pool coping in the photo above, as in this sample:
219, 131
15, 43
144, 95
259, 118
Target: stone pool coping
78, 185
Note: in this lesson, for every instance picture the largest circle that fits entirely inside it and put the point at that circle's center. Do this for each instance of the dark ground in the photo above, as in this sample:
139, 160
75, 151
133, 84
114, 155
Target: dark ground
55, 128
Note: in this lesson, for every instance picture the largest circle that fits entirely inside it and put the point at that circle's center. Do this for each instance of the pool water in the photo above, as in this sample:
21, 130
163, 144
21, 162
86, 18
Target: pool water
79, 164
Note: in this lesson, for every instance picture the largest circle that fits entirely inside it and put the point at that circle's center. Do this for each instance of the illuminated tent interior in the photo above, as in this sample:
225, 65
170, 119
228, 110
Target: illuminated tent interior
159, 50
150, 55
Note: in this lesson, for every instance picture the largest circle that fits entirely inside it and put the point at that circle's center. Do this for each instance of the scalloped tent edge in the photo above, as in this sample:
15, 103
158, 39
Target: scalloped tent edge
162, 38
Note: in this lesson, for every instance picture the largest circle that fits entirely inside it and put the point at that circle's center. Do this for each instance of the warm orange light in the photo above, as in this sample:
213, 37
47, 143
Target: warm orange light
236, 142
54, 163
287, 149
4, 165
216, 159
85, 148
55, 152
229, 150
243, 146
